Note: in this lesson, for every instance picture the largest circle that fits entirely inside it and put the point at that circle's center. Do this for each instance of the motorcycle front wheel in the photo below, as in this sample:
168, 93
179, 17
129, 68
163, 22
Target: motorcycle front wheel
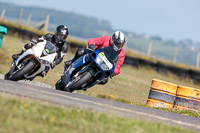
59, 85
19, 74
79, 81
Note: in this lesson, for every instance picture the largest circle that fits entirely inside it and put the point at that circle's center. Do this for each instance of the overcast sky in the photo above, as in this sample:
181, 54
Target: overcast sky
170, 19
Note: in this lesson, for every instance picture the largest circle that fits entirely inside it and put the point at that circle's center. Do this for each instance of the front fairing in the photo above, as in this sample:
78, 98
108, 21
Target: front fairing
48, 53
76, 65
105, 59
80, 61
43, 53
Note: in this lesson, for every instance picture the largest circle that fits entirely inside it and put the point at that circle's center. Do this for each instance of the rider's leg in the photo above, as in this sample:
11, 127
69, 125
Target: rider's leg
78, 54
26, 46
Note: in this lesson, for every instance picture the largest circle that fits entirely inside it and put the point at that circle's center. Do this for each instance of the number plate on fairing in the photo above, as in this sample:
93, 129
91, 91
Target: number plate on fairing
103, 57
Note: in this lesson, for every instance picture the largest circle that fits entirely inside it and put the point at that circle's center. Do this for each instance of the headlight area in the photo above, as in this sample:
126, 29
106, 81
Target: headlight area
102, 64
44, 61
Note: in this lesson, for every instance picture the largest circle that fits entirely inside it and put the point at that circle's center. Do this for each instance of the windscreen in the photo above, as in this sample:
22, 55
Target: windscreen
50, 47
110, 54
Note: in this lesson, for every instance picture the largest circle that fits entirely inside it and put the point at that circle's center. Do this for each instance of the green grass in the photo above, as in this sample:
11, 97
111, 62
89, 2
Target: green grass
19, 115
184, 112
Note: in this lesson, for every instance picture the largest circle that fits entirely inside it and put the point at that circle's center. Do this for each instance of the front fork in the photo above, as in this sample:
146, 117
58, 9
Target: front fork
13, 67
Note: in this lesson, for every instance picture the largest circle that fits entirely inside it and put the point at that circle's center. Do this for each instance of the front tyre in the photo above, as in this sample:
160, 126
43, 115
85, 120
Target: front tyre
19, 74
6, 76
59, 85
79, 81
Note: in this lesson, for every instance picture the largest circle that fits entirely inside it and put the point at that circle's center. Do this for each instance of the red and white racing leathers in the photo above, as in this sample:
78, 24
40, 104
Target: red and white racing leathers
105, 41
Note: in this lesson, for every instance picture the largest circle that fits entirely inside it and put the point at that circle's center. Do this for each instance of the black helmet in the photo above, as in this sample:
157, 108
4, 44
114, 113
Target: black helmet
118, 40
61, 33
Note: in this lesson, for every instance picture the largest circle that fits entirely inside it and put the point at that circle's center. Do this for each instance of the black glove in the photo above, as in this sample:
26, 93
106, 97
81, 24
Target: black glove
41, 39
113, 74
92, 47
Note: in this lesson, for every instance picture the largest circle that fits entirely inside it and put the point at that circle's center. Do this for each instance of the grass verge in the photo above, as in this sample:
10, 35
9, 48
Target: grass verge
24, 115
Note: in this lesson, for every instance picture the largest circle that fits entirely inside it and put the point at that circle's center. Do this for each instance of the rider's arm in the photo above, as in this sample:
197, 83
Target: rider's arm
98, 42
47, 37
120, 62
61, 54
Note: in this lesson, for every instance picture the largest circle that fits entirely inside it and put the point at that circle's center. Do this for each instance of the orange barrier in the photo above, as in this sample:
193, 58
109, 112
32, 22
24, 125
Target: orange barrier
187, 98
162, 94
169, 95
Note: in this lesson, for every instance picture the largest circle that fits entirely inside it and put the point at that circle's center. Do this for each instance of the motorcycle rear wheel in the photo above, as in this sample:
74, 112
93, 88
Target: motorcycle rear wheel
22, 71
77, 85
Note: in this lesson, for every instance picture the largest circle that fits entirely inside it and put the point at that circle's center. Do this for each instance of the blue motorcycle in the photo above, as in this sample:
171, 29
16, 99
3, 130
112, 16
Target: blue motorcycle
88, 70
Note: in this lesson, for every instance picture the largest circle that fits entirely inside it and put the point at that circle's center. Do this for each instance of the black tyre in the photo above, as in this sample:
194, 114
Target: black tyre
7, 75
19, 74
59, 85
79, 81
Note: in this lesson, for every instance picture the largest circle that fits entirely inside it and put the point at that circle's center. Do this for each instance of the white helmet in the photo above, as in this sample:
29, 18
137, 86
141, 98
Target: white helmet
118, 40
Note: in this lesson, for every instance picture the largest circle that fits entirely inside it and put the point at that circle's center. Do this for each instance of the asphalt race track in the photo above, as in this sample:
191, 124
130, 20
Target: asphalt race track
97, 104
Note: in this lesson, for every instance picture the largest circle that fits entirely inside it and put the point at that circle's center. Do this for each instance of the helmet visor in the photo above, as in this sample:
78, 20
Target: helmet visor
61, 36
118, 45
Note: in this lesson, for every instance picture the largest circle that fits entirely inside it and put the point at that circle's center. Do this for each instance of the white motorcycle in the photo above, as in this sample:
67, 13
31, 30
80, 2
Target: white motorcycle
32, 62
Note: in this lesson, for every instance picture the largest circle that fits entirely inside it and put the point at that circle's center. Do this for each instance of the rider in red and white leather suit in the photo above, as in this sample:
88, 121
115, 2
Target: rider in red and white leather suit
116, 41
106, 41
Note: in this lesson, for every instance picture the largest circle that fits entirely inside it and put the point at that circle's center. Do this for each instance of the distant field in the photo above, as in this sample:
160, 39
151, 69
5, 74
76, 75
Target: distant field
164, 51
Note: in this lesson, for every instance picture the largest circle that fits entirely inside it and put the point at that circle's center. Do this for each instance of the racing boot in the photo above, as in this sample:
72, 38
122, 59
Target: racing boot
15, 56
44, 73
67, 64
